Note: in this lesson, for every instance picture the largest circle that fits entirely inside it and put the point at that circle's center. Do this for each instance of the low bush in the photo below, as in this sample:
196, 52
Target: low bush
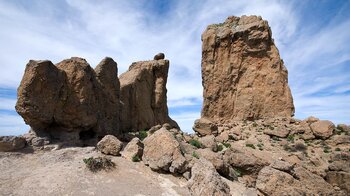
195, 143
99, 163
142, 135
250, 146
135, 158
195, 155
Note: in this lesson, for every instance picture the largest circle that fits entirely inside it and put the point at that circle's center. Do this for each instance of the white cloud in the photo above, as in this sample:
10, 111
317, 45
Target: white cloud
127, 32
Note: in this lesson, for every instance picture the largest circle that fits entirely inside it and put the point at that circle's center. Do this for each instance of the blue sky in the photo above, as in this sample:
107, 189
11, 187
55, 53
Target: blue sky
313, 38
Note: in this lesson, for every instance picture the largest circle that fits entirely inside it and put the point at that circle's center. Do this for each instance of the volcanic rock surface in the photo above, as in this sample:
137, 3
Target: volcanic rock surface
243, 74
143, 96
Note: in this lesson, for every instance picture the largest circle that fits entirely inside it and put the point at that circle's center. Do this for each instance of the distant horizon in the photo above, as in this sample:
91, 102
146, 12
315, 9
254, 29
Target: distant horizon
312, 37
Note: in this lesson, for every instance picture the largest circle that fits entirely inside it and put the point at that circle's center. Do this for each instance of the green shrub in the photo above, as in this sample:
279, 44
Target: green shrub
255, 124
337, 149
276, 138
135, 158
142, 135
237, 172
219, 147
250, 146
99, 163
290, 138
227, 145
195, 155
195, 143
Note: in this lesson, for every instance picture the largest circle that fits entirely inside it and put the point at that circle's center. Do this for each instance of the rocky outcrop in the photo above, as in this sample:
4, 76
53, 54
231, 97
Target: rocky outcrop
110, 145
143, 96
243, 74
70, 98
206, 181
133, 150
322, 129
162, 152
11, 143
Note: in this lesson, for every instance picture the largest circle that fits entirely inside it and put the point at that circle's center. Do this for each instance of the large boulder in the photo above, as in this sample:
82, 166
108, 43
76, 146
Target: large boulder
143, 96
204, 126
11, 143
244, 77
70, 98
322, 129
110, 145
206, 181
134, 149
162, 152
272, 181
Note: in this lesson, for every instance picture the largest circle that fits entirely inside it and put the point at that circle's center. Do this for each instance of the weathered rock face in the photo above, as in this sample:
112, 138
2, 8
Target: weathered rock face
133, 149
11, 143
70, 97
109, 144
206, 181
243, 74
162, 152
322, 129
143, 96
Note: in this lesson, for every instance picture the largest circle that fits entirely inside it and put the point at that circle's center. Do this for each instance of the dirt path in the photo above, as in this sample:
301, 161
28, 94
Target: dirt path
62, 172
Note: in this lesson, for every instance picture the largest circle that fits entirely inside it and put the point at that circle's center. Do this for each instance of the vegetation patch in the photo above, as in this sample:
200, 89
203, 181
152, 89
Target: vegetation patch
98, 163
250, 146
196, 143
227, 145
135, 158
195, 155
290, 138
142, 135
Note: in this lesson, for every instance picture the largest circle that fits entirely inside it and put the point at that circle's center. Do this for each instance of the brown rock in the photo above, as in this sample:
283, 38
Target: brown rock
344, 128
40, 93
11, 143
243, 74
110, 145
204, 126
159, 56
311, 119
162, 152
341, 179
279, 132
132, 149
322, 129
108, 98
275, 182
206, 181
215, 158
143, 96
70, 98
208, 141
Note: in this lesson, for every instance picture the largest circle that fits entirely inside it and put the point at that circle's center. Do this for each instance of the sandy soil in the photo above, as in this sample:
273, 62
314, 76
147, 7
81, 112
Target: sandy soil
63, 172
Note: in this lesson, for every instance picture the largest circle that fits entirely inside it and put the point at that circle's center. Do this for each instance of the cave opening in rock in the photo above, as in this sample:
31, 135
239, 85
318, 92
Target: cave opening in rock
86, 135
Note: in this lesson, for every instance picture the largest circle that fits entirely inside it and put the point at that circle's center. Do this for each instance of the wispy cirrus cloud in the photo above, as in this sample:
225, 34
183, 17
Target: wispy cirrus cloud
315, 52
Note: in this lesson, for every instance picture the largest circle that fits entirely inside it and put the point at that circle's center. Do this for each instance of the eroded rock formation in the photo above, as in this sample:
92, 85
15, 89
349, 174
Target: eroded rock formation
143, 96
243, 75
70, 98
71, 101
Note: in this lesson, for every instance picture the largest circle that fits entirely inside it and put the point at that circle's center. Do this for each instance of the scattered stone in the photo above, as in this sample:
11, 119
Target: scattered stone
133, 149
11, 143
282, 166
204, 126
311, 120
322, 129
279, 132
208, 141
162, 152
339, 178
110, 145
159, 56
206, 181
215, 158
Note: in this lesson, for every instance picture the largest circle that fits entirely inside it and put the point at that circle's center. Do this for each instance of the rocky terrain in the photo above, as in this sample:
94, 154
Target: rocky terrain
246, 142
